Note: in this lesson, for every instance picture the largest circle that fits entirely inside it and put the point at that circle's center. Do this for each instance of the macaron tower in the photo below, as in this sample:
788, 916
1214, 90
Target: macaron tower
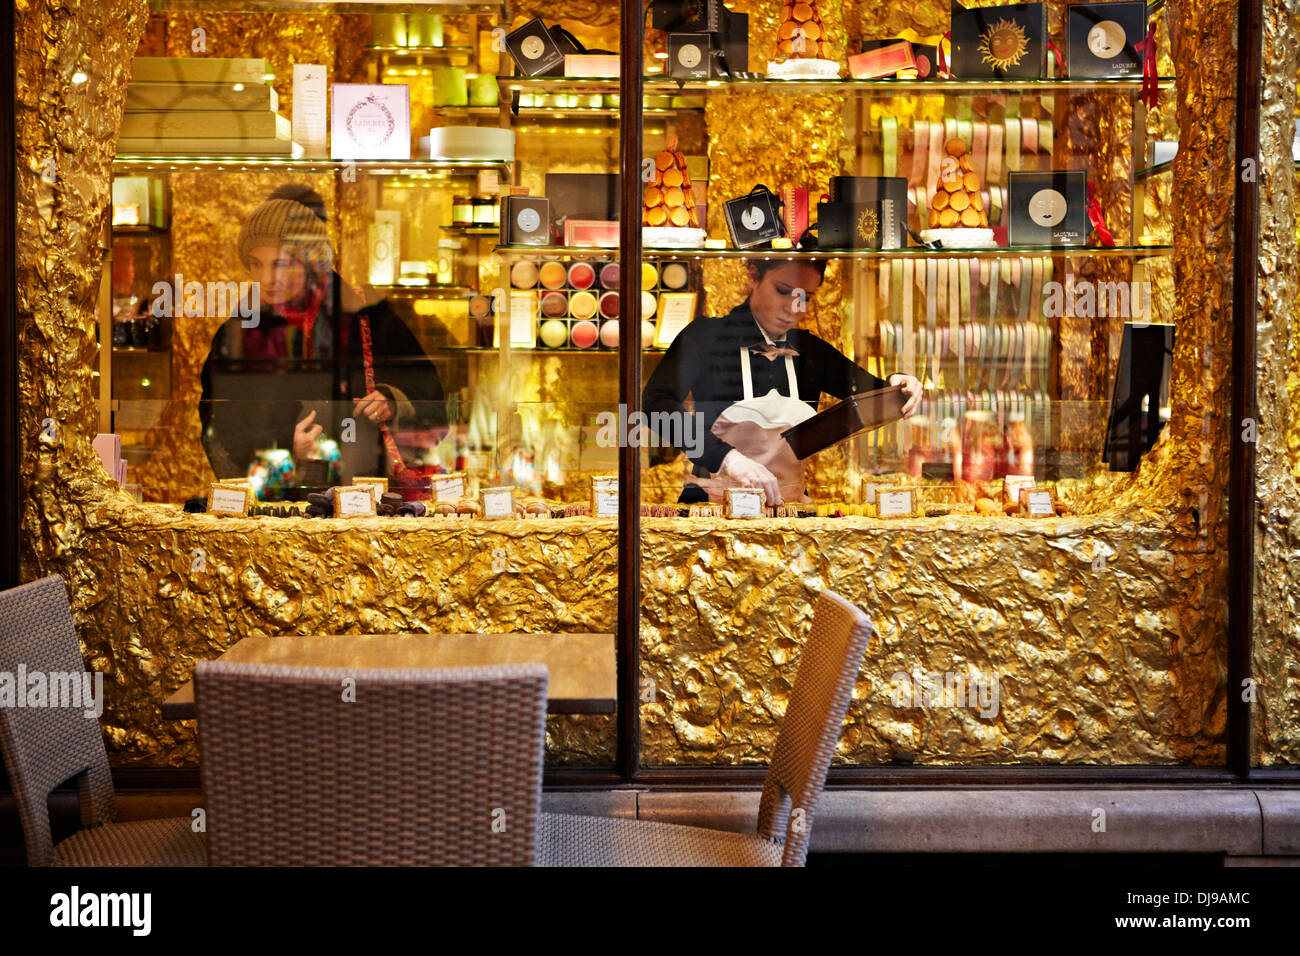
668, 199
801, 35
958, 216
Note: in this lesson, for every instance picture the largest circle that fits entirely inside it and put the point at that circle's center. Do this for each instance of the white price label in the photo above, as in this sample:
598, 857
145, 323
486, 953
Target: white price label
746, 504
232, 501
448, 489
358, 502
606, 504
498, 504
1040, 503
894, 503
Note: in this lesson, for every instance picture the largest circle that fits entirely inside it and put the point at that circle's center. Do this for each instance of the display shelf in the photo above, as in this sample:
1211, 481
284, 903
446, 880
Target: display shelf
472, 230
319, 6
915, 252
660, 85
1156, 170
378, 167
427, 291
393, 50
142, 229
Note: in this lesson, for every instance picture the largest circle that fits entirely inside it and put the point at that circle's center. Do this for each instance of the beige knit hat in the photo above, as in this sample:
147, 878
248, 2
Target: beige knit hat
283, 222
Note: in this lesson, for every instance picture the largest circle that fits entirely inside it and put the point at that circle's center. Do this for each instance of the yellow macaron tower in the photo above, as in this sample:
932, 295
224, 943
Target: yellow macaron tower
802, 51
957, 214
668, 217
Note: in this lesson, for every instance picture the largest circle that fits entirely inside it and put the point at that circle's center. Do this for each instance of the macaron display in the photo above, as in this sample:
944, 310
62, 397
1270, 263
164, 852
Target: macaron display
674, 276
647, 334
582, 275
554, 304
552, 275
649, 305
609, 275
583, 306
609, 334
583, 334
523, 274
649, 275
553, 333
609, 305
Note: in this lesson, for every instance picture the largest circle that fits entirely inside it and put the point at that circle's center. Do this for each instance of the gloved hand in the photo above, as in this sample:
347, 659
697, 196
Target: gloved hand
751, 474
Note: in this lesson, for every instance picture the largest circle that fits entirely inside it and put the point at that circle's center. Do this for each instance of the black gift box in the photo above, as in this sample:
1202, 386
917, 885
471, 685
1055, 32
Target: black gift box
690, 56
1103, 39
1006, 42
687, 16
753, 220
845, 419
534, 49
1048, 208
734, 43
868, 189
859, 225
526, 221
582, 196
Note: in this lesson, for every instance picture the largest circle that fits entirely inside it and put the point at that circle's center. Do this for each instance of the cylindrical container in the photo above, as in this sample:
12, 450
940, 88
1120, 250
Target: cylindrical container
583, 306
582, 275
424, 29
483, 90
523, 274
553, 333
449, 87
583, 334
609, 275
483, 214
555, 305
552, 275
462, 211
608, 305
649, 305
674, 276
388, 29
649, 275
445, 266
609, 334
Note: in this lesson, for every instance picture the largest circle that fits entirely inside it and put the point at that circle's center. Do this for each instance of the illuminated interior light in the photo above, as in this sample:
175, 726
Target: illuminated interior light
78, 78
239, 87
145, 383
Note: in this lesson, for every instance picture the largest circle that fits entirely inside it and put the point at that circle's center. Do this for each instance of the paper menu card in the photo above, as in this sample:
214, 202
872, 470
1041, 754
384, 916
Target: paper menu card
310, 109
371, 121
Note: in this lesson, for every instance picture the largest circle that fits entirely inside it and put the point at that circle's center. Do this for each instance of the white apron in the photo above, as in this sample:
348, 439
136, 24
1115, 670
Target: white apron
753, 427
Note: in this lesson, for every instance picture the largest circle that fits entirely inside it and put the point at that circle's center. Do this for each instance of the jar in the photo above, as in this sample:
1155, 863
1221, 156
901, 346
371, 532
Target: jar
483, 211
445, 265
462, 211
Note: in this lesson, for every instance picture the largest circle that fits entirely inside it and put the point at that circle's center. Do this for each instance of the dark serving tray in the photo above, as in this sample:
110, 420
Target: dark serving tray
845, 419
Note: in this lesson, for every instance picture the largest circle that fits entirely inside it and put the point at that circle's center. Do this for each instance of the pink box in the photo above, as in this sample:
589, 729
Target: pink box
591, 232
882, 61
591, 64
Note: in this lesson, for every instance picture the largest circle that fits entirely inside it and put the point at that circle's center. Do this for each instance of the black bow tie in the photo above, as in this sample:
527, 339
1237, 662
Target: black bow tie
774, 350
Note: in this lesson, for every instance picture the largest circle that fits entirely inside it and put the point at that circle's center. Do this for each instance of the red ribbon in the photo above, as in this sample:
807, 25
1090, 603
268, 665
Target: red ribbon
368, 356
1094, 214
943, 60
1060, 57
1150, 82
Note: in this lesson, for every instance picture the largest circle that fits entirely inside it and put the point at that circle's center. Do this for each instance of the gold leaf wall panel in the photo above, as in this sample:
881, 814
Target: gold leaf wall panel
1275, 663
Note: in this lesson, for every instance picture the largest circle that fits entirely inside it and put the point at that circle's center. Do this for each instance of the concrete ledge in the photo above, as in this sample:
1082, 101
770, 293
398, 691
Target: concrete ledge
591, 803
1281, 813
1003, 821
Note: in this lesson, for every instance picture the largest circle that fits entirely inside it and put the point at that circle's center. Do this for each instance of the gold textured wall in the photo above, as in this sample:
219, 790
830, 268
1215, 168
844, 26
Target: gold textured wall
1103, 667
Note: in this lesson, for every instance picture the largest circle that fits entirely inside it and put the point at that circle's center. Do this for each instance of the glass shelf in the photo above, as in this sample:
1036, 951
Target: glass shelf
426, 291
322, 7
660, 85
1155, 170
914, 252
472, 230
421, 50
378, 167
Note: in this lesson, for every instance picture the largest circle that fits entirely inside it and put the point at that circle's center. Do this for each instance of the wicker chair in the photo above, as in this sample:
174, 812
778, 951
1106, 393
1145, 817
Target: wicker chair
45, 746
818, 703
422, 767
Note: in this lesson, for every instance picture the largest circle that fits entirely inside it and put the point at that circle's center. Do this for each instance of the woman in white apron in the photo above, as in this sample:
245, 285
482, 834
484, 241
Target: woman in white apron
752, 374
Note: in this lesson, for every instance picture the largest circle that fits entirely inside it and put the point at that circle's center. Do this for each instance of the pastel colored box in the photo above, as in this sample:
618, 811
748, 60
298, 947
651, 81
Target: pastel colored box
882, 61
591, 232
591, 64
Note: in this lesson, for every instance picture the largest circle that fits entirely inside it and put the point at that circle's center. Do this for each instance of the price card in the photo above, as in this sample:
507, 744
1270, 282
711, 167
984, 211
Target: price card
523, 319
377, 487
351, 501
449, 487
745, 503
498, 503
604, 496
896, 504
1012, 485
1038, 504
229, 499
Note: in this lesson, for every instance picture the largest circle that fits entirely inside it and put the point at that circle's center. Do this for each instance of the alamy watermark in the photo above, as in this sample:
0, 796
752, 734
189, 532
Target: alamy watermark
977, 690
1087, 299
681, 430
56, 689
196, 300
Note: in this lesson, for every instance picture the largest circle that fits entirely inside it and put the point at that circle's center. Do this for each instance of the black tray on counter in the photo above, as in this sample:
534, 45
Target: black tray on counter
845, 419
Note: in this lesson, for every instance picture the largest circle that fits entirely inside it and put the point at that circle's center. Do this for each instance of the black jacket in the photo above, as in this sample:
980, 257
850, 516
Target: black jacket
704, 362
257, 384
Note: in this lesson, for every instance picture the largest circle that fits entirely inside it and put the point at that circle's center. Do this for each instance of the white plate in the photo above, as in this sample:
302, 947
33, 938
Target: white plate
804, 70
672, 237
960, 238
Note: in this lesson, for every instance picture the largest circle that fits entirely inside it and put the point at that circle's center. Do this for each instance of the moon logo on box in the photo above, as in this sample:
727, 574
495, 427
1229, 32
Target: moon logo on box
1106, 40
528, 220
532, 47
689, 56
1047, 207
753, 218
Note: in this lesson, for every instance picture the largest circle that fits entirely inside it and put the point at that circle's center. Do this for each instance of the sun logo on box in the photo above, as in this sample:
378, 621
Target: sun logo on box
1004, 45
868, 225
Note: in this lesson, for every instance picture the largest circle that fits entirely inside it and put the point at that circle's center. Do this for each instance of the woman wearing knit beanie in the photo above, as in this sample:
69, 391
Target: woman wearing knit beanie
296, 369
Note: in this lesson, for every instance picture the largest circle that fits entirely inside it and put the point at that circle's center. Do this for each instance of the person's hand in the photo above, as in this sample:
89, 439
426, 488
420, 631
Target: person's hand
305, 434
751, 474
374, 406
911, 392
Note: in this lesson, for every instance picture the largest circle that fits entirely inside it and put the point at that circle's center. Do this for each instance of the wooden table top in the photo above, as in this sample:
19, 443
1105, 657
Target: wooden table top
583, 677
